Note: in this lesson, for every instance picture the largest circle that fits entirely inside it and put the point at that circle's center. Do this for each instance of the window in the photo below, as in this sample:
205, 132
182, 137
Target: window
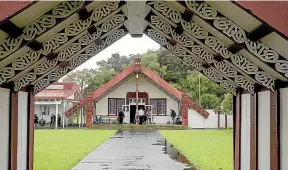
45, 109
115, 105
158, 106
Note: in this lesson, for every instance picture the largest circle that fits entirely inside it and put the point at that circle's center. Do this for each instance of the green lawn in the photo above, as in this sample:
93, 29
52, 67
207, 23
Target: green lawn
62, 149
207, 149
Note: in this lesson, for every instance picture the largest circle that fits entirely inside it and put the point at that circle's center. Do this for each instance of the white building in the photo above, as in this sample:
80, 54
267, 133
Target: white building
55, 99
154, 92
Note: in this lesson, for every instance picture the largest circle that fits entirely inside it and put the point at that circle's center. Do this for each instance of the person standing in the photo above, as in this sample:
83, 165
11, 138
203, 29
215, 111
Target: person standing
121, 116
141, 116
59, 120
51, 120
173, 115
54, 119
148, 115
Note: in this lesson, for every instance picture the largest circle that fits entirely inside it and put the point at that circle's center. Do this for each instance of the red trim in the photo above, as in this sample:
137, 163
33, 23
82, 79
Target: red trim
31, 130
274, 13
157, 79
274, 130
140, 95
253, 132
10, 8
237, 132
14, 131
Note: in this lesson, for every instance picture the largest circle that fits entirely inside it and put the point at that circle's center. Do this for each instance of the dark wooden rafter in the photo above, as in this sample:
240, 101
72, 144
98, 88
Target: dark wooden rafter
187, 15
235, 48
84, 14
136, 35
11, 29
35, 45
259, 33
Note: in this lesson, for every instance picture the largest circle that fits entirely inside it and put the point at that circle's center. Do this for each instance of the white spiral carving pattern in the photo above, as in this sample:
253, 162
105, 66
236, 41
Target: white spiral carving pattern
235, 32
76, 61
40, 25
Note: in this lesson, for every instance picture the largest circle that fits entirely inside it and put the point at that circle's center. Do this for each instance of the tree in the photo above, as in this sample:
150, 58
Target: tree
210, 101
227, 104
81, 77
115, 62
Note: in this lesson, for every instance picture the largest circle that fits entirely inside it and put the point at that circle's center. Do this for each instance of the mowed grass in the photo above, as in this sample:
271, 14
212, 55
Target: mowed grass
63, 149
206, 149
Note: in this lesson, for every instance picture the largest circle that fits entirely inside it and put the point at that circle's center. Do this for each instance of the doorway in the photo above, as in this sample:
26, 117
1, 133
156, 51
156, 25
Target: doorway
133, 112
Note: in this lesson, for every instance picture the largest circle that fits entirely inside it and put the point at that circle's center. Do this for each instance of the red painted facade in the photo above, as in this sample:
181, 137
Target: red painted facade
274, 13
8, 8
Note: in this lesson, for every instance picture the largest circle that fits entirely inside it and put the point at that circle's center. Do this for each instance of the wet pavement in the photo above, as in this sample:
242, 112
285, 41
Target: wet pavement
134, 151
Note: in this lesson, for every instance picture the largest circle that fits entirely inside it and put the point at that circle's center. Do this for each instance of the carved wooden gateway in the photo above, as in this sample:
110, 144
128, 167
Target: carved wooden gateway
241, 46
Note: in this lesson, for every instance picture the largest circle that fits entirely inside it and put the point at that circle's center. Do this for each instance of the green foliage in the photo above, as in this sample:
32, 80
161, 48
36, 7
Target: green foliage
227, 104
210, 101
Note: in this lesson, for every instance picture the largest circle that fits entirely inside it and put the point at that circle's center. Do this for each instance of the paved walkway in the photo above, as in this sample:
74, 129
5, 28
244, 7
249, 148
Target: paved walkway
130, 151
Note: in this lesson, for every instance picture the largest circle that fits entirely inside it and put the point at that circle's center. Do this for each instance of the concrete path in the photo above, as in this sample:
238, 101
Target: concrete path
130, 151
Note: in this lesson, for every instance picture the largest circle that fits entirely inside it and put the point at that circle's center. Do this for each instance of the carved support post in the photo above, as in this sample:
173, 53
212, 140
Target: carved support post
89, 109
184, 107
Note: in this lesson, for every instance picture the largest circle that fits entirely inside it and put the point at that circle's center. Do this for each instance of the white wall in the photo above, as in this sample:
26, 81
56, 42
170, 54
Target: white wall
4, 128
212, 120
245, 131
195, 120
144, 86
222, 121
284, 129
264, 130
22, 130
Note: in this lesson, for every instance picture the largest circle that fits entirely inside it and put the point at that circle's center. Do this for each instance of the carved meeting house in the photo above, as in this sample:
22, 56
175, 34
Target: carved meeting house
241, 46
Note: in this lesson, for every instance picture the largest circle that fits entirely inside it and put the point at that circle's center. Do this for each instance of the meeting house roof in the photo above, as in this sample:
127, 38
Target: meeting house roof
237, 44
137, 68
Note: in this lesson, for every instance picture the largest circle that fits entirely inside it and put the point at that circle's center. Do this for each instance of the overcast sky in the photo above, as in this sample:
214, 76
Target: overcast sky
125, 46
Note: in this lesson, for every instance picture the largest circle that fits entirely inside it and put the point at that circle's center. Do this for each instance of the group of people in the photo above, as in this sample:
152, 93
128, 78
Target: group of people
143, 117
53, 120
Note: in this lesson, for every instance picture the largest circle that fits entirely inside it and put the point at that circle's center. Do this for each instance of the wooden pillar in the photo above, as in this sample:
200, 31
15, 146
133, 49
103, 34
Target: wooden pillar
13, 129
31, 107
184, 107
237, 130
225, 121
89, 109
274, 130
253, 132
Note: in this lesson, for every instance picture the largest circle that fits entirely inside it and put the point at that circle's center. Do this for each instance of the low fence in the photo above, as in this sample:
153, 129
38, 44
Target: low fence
214, 121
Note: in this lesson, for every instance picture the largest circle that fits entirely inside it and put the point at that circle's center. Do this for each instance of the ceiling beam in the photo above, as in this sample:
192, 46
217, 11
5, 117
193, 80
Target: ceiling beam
237, 35
63, 40
260, 32
136, 11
